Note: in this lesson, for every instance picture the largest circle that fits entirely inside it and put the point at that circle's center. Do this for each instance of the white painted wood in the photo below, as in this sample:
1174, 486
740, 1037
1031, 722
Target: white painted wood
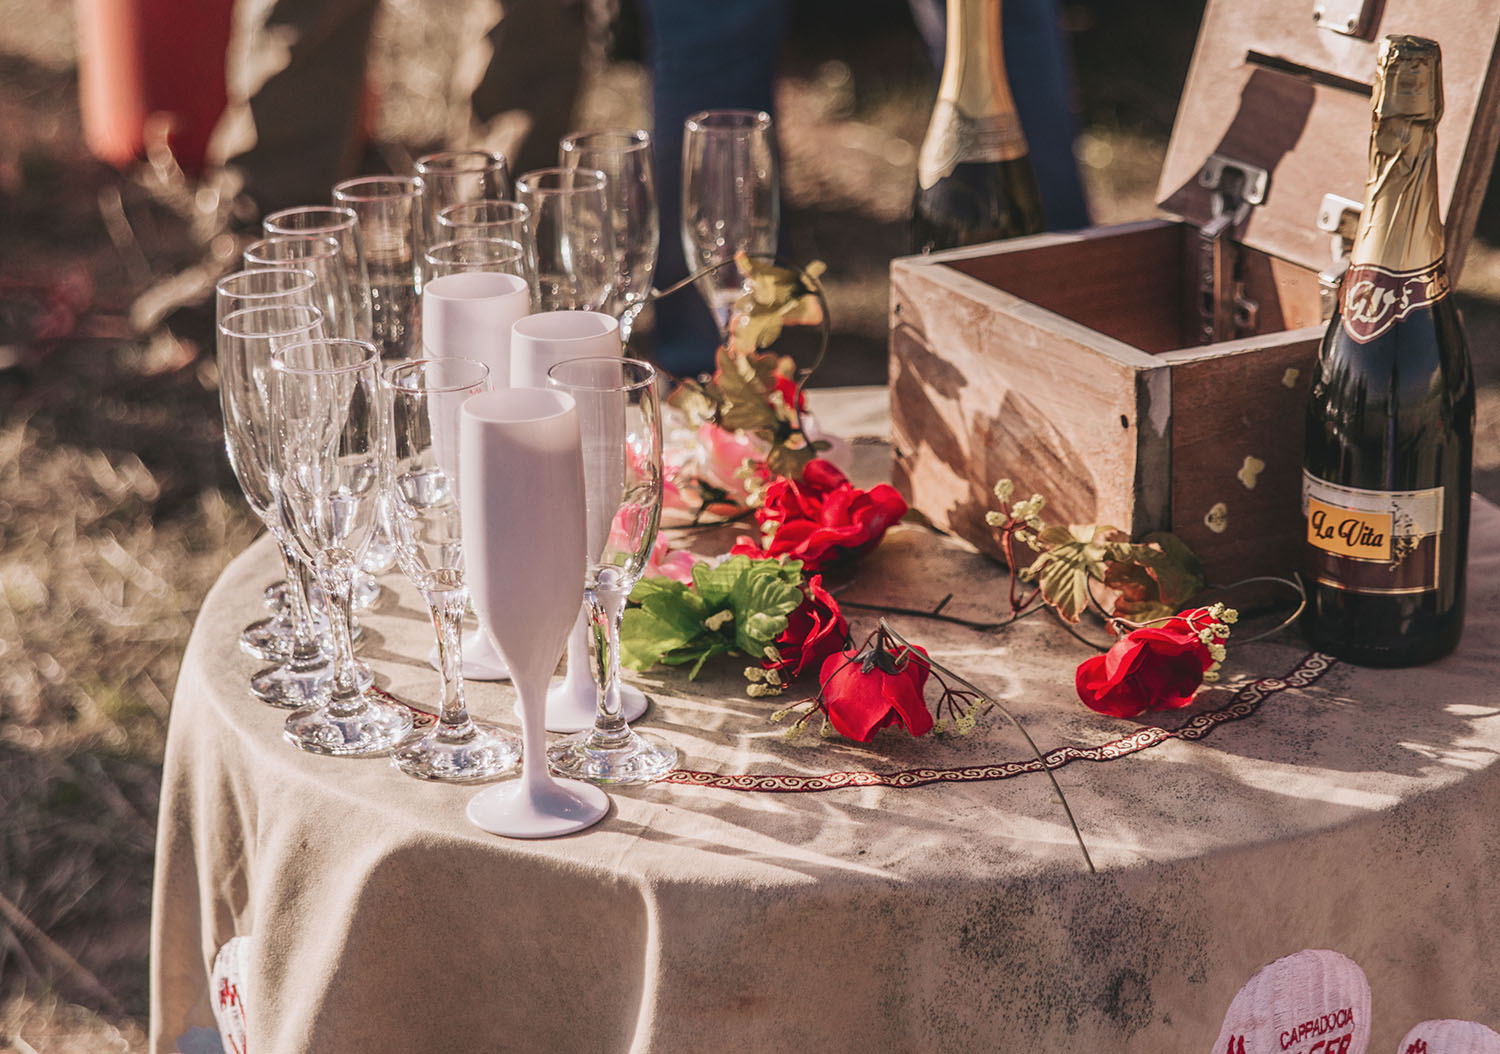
1312, 1002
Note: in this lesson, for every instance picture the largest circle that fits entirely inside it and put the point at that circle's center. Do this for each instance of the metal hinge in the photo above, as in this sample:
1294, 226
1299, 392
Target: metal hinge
1224, 311
1339, 217
1348, 18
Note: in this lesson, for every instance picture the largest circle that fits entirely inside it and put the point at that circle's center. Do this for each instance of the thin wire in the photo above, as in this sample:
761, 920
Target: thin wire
1061, 797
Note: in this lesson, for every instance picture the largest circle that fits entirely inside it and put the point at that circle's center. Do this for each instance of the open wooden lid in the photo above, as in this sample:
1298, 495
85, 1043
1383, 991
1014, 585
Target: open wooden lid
1285, 86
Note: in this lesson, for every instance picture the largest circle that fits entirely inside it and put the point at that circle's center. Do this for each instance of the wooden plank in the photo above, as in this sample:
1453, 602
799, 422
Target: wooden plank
985, 385
1232, 402
1121, 283
1264, 74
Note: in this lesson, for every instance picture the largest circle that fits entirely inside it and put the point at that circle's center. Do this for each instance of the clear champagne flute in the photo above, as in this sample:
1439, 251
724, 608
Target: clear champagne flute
491, 255
574, 241
491, 218
268, 638
320, 254
731, 199
246, 341
390, 232
342, 225
620, 418
452, 177
624, 156
523, 518
421, 478
299, 283
327, 431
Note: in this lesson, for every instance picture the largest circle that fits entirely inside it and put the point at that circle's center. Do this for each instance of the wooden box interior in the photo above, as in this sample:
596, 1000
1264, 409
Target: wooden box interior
1139, 285
1232, 403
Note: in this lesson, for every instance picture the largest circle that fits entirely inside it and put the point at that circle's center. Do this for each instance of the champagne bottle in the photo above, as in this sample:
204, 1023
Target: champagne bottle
1390, 420
975, 182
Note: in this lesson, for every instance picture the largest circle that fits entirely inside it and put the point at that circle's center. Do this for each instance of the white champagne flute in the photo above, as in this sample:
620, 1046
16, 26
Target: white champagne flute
538, 343
470, 314
731, 199
421, 476
327, 434
521, 468
624, 156
620, 416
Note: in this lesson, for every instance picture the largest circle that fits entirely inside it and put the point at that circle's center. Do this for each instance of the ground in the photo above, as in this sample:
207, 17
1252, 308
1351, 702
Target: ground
117, 509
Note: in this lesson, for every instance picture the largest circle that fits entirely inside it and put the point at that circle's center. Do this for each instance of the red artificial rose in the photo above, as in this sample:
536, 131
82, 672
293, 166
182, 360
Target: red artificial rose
1152, 668
813, 632
860, 701
823, 518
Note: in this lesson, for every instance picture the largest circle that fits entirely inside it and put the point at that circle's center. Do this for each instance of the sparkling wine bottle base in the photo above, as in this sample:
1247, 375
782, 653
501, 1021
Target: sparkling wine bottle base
1384, 634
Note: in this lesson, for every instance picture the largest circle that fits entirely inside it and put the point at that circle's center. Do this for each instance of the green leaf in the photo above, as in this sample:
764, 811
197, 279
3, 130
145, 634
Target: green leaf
645, 638
1176, 568
1063, 573
1054, 536
715, 584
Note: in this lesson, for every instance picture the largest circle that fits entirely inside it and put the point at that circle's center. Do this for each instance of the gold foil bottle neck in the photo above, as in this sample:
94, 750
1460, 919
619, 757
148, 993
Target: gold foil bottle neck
1400, 230
1409, 79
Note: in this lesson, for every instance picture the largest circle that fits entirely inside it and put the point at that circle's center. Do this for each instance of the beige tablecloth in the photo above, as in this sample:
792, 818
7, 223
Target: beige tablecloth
932, 899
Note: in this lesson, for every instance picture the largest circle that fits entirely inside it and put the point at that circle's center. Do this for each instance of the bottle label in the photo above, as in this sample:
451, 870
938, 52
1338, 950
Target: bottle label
954, 138
1372, 541
1376, 298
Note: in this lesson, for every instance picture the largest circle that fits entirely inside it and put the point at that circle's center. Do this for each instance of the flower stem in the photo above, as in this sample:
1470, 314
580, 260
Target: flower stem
942, 670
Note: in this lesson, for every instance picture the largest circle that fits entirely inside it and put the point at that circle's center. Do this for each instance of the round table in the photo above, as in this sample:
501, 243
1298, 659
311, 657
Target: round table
818, 894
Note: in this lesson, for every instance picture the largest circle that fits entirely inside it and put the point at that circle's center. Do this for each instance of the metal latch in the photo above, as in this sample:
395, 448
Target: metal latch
1339, 217
1348, 18
1224, 311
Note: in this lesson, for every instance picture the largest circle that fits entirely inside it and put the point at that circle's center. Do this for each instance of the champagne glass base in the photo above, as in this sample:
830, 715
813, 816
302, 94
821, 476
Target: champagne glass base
366, 592
373, 730
488, 752
515, 810
380, 557
279, 603
269, 639
482, 662
638, 759
573, 708
289, 689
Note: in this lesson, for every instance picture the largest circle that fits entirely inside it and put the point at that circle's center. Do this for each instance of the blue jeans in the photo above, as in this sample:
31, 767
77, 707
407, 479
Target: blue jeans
1041, 80
704, 55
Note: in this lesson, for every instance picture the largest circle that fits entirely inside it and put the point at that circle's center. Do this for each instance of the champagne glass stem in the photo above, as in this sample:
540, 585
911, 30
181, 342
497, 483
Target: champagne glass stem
336, 577
534, 771
606, 611
307, 650
447, 608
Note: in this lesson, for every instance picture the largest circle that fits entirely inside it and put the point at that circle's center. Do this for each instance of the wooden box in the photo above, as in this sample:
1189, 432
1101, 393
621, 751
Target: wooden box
1071, 363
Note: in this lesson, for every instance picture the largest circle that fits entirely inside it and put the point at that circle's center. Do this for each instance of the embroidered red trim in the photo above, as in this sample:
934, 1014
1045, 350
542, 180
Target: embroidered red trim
1241, 705
1244, 703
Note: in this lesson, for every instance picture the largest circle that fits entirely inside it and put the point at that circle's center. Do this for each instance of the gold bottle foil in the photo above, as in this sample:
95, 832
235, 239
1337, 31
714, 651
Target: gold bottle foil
1396, 265
974, 118
1400, 228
